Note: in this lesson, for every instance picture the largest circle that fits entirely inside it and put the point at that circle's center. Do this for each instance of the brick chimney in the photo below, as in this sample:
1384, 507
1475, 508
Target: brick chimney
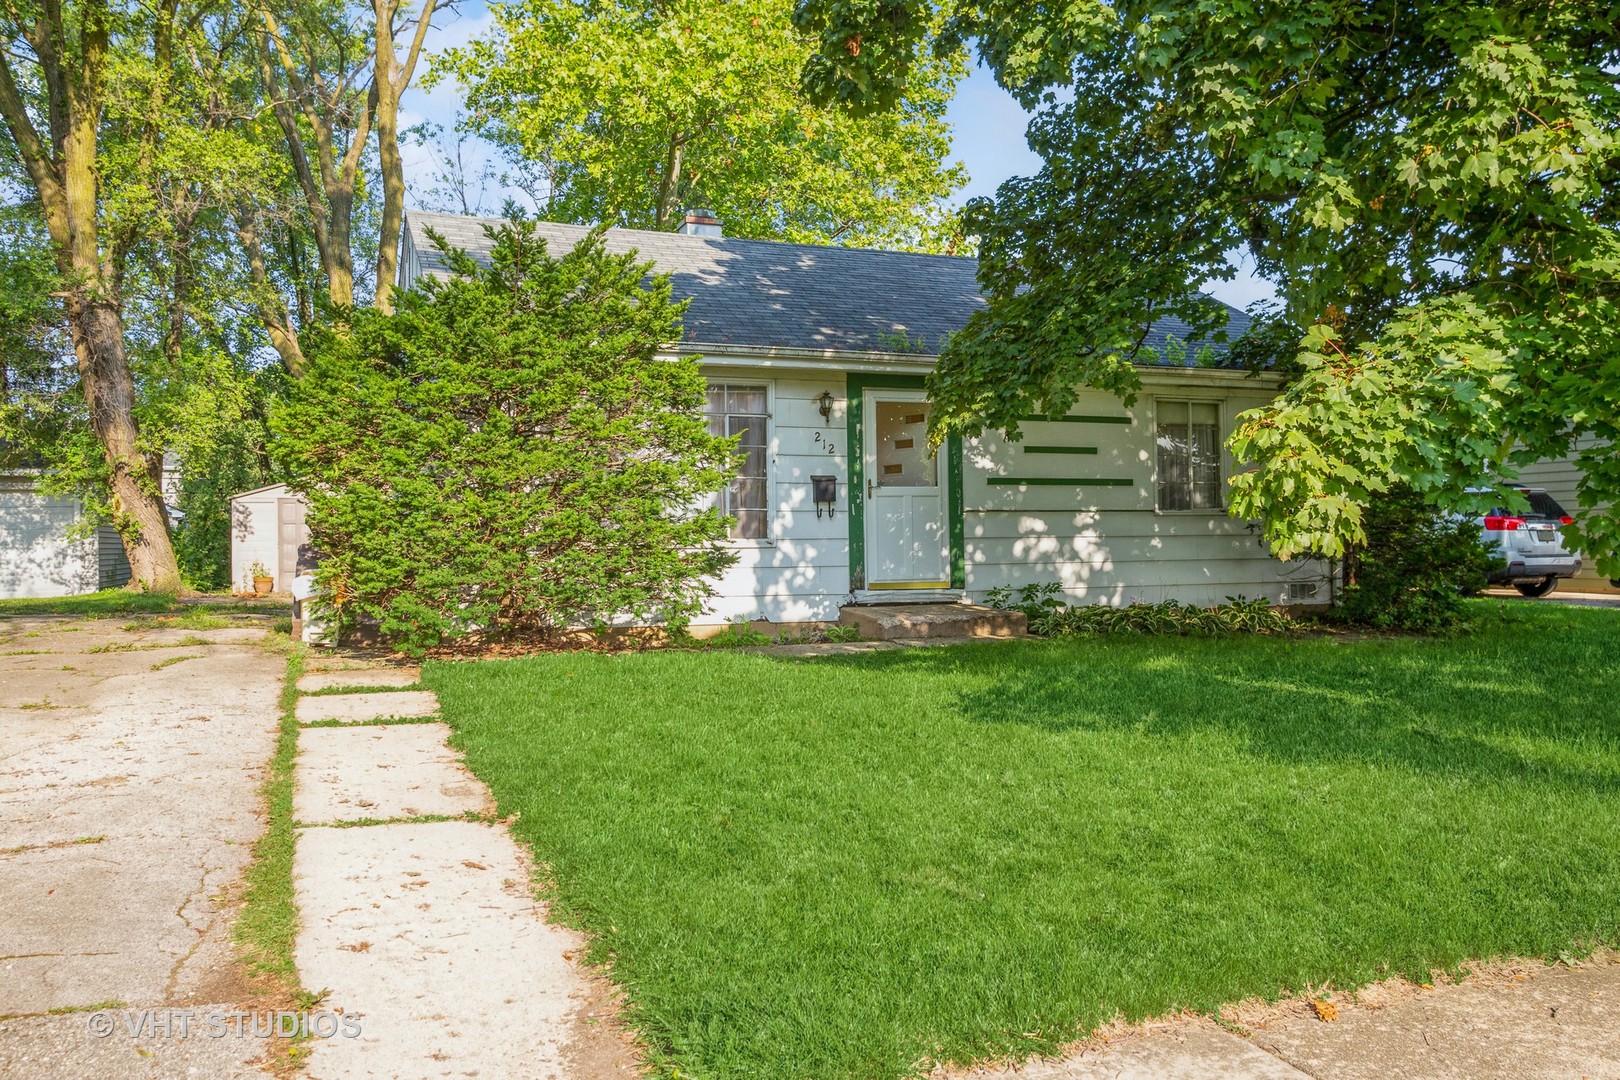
700, 221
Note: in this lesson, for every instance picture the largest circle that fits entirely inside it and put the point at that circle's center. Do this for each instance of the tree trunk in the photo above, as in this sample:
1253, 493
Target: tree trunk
109, 390
337, 256
669, 186
272, 311
62, 170
389, 162
392, 77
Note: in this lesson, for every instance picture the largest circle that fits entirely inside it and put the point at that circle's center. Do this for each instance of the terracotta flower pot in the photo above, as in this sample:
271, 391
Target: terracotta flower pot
263, 585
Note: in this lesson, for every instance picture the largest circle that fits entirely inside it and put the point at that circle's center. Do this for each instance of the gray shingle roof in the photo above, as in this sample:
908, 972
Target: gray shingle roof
766, 294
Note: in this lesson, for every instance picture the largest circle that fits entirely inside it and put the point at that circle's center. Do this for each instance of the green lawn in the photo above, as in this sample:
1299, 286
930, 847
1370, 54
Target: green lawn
850, 866
105, 602
110, 602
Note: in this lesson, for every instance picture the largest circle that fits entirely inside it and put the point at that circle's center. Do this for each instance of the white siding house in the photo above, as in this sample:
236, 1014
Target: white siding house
1117, 504
37, 556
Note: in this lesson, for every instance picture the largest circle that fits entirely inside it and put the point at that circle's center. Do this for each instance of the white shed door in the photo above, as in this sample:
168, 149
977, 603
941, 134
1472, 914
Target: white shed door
291, 533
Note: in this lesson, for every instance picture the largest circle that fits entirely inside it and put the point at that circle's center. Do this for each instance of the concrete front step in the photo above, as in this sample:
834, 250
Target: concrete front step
899, 622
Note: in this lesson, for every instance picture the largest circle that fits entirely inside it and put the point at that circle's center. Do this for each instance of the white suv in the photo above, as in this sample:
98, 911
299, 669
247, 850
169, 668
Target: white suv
1531, 544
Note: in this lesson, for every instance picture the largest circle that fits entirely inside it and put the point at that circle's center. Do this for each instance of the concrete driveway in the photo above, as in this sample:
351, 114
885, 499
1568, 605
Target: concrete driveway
130, 765
1573, 599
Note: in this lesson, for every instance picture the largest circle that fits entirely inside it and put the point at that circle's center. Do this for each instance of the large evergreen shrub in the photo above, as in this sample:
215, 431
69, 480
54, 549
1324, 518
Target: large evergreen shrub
505, 454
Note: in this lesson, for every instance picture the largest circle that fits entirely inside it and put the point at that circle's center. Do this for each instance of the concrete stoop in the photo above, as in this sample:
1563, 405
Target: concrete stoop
902, 622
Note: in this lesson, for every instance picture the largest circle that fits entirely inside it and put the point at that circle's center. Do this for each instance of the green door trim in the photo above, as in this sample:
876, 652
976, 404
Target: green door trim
855, 388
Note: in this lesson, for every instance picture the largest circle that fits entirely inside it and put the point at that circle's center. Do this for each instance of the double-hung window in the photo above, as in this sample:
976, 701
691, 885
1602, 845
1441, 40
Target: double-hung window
1189, 442
736, 409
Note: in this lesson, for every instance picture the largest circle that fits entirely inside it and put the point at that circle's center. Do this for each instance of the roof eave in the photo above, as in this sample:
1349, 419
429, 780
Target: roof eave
864, 360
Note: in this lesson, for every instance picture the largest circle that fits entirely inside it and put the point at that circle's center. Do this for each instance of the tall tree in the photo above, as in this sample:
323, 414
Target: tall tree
644, 108
73, 134
331, 79
1431, 184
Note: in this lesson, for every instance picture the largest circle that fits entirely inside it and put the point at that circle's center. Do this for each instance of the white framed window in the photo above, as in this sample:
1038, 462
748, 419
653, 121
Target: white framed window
1189, 449
743, 410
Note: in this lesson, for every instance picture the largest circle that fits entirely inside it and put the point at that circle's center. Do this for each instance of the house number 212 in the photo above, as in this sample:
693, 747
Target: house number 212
831, 449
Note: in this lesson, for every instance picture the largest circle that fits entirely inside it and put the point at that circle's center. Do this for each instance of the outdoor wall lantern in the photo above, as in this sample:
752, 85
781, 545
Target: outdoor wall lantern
824, 491
825, 401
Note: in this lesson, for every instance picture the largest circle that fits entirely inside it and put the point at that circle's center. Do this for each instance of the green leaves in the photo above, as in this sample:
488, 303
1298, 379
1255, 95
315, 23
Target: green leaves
505, 455
629, 112
1433, 184
1423, 404
1416, 568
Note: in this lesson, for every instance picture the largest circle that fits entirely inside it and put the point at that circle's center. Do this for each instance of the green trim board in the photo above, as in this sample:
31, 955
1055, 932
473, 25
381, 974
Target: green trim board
1059, 481
1077, 418
855, 387
956, 513
1060, 449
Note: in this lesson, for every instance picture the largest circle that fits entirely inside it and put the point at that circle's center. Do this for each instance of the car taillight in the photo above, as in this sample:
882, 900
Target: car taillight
1504, 524
1566, 520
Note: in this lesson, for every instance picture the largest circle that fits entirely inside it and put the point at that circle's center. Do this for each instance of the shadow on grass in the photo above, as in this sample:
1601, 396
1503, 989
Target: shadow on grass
842, 866
1491, 707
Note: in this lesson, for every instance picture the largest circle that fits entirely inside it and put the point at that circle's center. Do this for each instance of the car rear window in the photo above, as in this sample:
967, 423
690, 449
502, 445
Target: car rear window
1544, 507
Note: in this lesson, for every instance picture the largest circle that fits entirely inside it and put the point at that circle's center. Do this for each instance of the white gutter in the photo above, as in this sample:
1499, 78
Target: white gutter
871, 362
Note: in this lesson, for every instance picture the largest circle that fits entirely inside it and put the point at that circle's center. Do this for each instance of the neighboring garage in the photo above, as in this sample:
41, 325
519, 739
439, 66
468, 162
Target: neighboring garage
267, 526
37, 557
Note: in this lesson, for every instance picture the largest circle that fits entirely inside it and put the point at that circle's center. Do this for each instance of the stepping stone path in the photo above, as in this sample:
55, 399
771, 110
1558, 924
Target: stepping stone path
350, 678
423, 928
367, 708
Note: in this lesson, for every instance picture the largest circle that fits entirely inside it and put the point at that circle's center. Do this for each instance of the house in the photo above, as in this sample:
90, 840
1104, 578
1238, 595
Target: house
267, 528
38, 554
815, 357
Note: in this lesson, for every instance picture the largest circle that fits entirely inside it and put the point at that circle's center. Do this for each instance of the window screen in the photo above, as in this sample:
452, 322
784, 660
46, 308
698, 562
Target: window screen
736, 410
1189, 442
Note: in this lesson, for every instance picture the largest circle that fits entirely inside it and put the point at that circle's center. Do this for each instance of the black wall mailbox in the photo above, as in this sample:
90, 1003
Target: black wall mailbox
824, 490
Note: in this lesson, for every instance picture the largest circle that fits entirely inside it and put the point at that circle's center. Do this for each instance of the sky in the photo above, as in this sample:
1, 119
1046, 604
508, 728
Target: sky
988, 137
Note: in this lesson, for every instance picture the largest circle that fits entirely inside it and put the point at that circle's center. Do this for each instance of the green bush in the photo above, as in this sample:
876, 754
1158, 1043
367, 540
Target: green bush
1416, 568
505, 455
1033, 600
1049, 616
1236, 616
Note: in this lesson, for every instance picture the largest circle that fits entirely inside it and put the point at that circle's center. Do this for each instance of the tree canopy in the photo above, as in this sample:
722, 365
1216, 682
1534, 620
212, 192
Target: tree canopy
184, 183
1431, 185
627, 112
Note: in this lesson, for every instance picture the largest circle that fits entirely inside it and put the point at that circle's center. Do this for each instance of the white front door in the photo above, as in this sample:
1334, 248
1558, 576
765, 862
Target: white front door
907, 543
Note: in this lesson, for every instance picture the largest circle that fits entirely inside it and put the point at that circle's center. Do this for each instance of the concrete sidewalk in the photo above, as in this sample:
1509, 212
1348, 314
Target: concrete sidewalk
1530, 1022
420, 921
426, 931
1573, 599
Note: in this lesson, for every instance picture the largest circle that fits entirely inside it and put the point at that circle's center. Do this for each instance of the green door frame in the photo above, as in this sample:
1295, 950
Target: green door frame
855, 388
